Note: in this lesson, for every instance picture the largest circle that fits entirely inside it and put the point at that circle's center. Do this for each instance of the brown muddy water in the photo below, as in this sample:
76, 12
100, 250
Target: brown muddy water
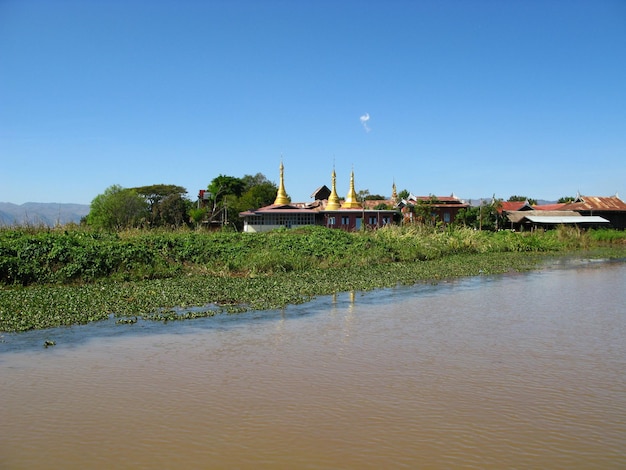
514, 371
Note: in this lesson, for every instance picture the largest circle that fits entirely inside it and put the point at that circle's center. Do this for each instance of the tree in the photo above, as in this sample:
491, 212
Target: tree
483, 217
228, 196
167, 204
258, 192
468, 217
362, 195
404, 194
375, 197
223, 185
257, 196
219, 188
489, 214
255, 180
197, 215
423, 210
566, 199
173, 211
117, 208
532, 202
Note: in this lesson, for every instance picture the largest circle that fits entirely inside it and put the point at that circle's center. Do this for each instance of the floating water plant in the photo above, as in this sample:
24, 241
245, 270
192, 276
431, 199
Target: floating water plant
51, 278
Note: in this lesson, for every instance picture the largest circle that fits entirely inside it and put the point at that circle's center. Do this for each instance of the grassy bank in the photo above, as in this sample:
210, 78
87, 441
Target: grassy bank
62, 277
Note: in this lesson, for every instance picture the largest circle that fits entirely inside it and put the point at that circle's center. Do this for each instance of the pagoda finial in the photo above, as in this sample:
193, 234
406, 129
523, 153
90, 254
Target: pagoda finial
333, 199
281, 196
394, 194
351, 201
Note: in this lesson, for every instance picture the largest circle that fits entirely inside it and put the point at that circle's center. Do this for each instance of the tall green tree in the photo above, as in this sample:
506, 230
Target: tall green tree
173, 211
255, 180
258, 192
223, 185
167, 204
117, 208
468, 217
489, 214
229, 195
486, 216
220, 191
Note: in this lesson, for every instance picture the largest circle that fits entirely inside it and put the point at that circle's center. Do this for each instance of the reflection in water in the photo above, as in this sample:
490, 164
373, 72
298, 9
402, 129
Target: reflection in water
522, 371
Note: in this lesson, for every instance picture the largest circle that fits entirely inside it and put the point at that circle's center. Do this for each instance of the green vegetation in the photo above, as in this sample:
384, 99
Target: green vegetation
70, 275
486, 216
166, 206
531, 201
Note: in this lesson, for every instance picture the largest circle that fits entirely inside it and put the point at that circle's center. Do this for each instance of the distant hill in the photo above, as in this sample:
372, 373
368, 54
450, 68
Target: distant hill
41, 213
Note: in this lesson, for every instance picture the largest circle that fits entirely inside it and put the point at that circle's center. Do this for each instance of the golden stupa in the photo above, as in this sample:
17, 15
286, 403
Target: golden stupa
333, 199
351, 201
281, 196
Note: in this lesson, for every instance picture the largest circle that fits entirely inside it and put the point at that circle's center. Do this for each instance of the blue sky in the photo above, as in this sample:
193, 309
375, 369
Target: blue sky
474, 98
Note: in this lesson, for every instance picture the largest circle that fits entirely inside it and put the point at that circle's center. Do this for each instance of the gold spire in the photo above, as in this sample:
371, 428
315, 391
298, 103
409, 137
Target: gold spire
351, 201
333, 199
281, 196
394, 194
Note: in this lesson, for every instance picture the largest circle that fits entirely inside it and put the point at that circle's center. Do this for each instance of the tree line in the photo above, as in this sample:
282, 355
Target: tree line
167, 205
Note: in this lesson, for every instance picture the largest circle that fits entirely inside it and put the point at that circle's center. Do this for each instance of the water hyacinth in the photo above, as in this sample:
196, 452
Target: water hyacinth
55, 277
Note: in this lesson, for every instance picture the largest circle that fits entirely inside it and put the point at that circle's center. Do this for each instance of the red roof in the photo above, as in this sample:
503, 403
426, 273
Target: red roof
510, 206
550, 207
440, 199
277, 208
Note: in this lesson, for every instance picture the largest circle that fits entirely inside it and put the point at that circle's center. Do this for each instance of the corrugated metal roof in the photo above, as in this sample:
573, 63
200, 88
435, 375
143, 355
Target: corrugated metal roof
556, 220
596, 203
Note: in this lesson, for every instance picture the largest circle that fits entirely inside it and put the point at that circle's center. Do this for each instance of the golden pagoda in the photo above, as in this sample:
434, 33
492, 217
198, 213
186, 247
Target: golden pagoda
351, 201
394, 194
281, 196
333, 199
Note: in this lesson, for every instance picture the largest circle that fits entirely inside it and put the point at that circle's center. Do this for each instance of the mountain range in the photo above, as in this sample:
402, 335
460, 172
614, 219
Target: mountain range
41, 213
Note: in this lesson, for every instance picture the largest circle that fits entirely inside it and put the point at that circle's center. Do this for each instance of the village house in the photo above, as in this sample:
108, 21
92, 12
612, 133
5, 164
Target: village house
584, 211
546, 219
611, 208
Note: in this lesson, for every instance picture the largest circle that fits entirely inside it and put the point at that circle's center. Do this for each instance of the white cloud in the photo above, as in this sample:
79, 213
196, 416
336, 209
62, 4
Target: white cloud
364, 119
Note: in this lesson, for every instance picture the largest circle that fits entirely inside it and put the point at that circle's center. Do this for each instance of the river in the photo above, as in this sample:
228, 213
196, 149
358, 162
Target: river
514, 371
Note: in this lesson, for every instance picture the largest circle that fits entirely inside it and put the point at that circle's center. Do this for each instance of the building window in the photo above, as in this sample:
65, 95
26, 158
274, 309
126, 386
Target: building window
372, 220
385, 220
446, 217
358, 223
331, 221
345, 220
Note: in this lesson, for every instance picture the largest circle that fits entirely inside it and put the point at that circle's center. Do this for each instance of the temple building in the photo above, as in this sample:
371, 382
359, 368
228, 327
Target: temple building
326, 210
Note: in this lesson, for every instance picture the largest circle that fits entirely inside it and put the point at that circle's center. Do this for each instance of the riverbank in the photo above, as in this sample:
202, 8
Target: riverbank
230, 273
